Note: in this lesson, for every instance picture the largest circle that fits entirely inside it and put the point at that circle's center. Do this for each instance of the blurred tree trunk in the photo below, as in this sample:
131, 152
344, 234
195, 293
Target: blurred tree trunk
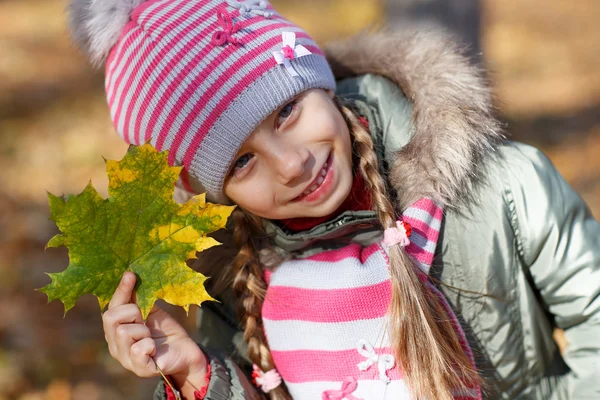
461, 17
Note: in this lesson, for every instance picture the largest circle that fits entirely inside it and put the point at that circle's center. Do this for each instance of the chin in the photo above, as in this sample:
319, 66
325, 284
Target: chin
334, 202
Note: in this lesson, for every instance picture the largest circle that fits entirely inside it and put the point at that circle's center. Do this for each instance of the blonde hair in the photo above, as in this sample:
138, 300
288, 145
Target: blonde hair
421, 331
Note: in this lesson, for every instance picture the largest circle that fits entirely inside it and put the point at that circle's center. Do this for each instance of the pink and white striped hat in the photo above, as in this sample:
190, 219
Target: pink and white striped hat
196, 77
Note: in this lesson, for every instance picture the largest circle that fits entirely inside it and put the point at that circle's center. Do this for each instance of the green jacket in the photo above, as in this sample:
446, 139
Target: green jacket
518, 254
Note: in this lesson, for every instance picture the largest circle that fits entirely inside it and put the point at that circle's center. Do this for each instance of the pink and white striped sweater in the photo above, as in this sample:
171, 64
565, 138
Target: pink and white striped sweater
325, 317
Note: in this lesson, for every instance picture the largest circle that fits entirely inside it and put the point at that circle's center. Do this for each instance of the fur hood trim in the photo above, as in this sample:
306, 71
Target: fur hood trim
454, 127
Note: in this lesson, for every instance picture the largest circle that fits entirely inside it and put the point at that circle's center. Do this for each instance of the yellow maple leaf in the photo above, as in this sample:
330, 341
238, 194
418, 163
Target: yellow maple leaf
138, 228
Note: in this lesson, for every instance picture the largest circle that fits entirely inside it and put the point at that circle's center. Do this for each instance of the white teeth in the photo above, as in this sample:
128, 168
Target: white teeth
319, 180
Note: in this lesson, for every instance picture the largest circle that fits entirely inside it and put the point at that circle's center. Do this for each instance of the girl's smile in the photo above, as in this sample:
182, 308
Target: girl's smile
296, 163
320, 186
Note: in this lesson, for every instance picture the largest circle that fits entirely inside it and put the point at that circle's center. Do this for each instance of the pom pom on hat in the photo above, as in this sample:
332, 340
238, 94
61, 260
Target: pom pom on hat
96, 25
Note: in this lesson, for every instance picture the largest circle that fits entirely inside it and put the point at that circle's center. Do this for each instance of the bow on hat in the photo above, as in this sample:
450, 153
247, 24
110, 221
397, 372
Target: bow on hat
290, 51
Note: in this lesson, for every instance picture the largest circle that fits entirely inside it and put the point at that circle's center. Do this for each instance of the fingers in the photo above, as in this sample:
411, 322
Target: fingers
141, 353
133, 347
124, 291
115, 317
128, 334
129, 339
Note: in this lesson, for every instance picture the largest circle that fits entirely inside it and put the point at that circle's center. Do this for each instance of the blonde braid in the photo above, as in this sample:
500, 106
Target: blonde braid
432, 358
249, 288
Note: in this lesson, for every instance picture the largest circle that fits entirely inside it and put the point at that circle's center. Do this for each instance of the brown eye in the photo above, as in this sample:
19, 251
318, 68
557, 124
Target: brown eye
285, 112
242, 162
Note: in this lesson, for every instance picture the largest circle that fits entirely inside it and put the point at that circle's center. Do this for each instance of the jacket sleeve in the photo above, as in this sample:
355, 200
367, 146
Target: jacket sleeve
560, 242
223, 345
227, 381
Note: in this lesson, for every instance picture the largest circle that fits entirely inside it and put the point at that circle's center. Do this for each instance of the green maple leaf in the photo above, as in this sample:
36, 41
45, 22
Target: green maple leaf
138, 228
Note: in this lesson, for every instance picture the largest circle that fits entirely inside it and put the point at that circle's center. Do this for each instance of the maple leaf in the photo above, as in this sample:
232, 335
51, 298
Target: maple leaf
138, 228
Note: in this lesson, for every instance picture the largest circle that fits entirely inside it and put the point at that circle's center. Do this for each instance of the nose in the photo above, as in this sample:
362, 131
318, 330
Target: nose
290, 162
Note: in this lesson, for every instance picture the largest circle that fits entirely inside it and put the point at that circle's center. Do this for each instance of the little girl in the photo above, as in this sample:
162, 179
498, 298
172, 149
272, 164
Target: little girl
387, 243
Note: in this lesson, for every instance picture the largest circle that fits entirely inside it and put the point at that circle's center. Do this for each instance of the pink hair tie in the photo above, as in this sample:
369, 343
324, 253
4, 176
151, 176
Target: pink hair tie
266, 381
398, 234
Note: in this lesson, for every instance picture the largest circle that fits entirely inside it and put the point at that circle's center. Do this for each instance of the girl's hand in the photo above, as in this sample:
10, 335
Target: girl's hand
134, 344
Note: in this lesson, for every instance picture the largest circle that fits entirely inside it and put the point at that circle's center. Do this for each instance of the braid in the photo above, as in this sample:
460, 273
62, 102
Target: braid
249, 288
432, 358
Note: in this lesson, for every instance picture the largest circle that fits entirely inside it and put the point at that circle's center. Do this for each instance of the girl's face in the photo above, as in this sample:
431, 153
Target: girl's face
296, 163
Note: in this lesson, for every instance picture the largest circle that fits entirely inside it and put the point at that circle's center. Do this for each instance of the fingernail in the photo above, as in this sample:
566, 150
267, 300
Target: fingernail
128, 278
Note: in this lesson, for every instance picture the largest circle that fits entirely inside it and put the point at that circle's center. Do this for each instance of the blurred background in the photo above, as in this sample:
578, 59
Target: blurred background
543, 58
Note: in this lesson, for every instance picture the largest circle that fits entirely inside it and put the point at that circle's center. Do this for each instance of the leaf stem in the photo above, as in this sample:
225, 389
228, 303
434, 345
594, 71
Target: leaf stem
175, 391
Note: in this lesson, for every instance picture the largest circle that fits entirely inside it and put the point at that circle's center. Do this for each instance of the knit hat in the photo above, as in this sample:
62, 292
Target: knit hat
196, 77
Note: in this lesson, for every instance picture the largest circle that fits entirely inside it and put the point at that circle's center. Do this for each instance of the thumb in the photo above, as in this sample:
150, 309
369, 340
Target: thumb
124, 292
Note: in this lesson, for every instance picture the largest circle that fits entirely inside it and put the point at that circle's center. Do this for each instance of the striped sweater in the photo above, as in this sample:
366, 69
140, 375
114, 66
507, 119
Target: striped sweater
325, 317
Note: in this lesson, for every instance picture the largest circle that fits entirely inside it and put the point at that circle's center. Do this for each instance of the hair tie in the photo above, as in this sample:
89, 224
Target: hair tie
266, 381
397, 235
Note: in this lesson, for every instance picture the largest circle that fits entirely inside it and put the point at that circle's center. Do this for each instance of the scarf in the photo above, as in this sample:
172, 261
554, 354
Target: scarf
325, 317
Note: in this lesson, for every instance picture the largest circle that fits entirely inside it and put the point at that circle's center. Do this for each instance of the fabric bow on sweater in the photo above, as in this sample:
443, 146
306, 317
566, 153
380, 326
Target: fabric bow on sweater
384, 361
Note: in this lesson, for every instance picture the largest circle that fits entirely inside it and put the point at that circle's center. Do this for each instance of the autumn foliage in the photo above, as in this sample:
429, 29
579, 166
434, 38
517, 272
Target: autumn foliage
137, 228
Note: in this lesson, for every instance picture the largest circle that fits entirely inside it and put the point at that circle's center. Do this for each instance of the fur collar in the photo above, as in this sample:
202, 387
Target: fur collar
454, 128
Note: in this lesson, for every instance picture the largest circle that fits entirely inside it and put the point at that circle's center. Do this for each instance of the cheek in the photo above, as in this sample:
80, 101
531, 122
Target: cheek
334, 128
252, 195
342, 136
